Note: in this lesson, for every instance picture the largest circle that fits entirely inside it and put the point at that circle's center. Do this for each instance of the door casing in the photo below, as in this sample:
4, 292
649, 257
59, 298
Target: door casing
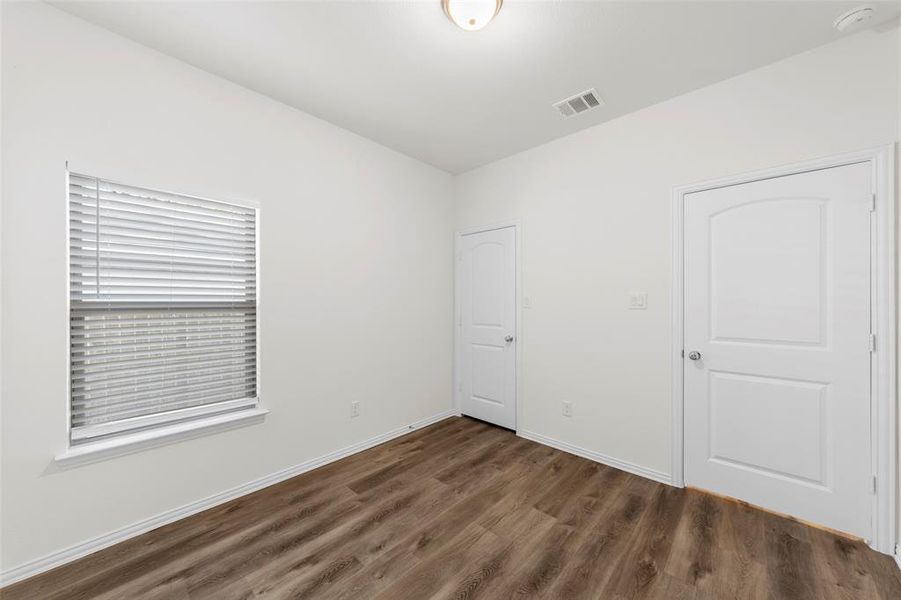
458, 319
884, 424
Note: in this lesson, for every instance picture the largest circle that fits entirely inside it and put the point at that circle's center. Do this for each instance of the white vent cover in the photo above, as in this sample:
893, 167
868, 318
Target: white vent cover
580, 103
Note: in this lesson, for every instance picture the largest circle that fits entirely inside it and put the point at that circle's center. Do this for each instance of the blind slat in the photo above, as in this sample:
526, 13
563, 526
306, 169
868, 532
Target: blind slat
105, 414
86, 432
116, 282
88, 214
133, 347
173, 330
148, 393
106, 382
87, 256
111, 233
90, 187
239, 358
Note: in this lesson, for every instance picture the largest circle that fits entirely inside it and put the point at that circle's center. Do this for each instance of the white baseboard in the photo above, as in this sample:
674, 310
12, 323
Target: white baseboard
61, 557
898, 555
598, 457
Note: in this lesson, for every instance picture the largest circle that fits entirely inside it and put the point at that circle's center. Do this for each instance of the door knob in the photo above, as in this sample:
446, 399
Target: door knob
508, 339
694, 355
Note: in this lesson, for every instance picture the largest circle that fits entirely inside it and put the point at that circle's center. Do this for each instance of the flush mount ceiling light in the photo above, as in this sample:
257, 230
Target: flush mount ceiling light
471, 15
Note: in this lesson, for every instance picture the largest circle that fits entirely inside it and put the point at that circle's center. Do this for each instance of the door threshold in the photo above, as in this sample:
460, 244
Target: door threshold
487, 422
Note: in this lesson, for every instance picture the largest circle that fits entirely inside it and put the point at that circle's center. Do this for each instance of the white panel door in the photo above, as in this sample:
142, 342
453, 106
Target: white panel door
777, 356
488, 326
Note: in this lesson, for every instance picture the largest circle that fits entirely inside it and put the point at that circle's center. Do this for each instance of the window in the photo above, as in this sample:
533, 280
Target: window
162, 308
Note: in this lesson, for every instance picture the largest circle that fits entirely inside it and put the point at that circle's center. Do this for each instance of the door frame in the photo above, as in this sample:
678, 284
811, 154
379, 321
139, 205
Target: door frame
458, 316
883, 366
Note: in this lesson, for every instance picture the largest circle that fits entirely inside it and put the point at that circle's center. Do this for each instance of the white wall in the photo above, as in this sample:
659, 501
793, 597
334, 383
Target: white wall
596, 214
356, 271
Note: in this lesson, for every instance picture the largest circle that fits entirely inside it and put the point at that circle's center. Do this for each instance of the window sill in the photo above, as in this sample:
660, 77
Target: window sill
135, 442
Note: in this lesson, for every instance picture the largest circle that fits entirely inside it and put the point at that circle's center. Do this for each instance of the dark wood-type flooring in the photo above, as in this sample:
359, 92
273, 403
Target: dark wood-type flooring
465, 510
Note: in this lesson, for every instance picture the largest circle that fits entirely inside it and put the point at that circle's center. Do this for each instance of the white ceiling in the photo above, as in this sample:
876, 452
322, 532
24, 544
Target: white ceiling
401, 74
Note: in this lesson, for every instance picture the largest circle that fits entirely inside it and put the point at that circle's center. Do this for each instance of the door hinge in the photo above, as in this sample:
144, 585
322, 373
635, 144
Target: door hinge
873, 202
872, 342
683, 352
874, 484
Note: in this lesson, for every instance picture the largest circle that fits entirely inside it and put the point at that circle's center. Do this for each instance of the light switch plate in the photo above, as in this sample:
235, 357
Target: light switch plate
638, 300
527, 302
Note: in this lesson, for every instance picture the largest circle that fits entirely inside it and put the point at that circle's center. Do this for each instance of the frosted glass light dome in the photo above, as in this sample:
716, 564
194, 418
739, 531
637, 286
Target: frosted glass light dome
471, 15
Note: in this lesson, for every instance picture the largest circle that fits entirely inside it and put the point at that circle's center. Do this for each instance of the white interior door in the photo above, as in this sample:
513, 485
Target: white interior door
487, 326
777, 308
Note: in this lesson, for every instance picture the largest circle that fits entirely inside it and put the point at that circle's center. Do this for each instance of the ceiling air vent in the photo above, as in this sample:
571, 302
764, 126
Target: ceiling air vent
579, 103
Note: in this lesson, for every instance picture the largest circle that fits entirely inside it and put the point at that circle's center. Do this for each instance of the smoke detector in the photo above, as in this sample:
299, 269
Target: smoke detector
580, 103
854, 18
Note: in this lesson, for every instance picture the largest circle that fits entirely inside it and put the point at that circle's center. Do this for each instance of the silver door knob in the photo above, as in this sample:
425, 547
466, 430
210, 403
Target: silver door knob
508, 339
694, 355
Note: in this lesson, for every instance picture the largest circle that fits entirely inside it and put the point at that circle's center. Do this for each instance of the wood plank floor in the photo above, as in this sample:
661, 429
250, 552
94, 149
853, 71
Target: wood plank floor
465, 510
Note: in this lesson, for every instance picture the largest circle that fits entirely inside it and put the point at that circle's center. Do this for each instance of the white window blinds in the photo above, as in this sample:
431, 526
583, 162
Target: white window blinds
163, 307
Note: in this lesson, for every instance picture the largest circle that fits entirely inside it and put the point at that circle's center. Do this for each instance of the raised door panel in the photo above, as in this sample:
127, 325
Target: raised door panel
768, 269
774, 427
